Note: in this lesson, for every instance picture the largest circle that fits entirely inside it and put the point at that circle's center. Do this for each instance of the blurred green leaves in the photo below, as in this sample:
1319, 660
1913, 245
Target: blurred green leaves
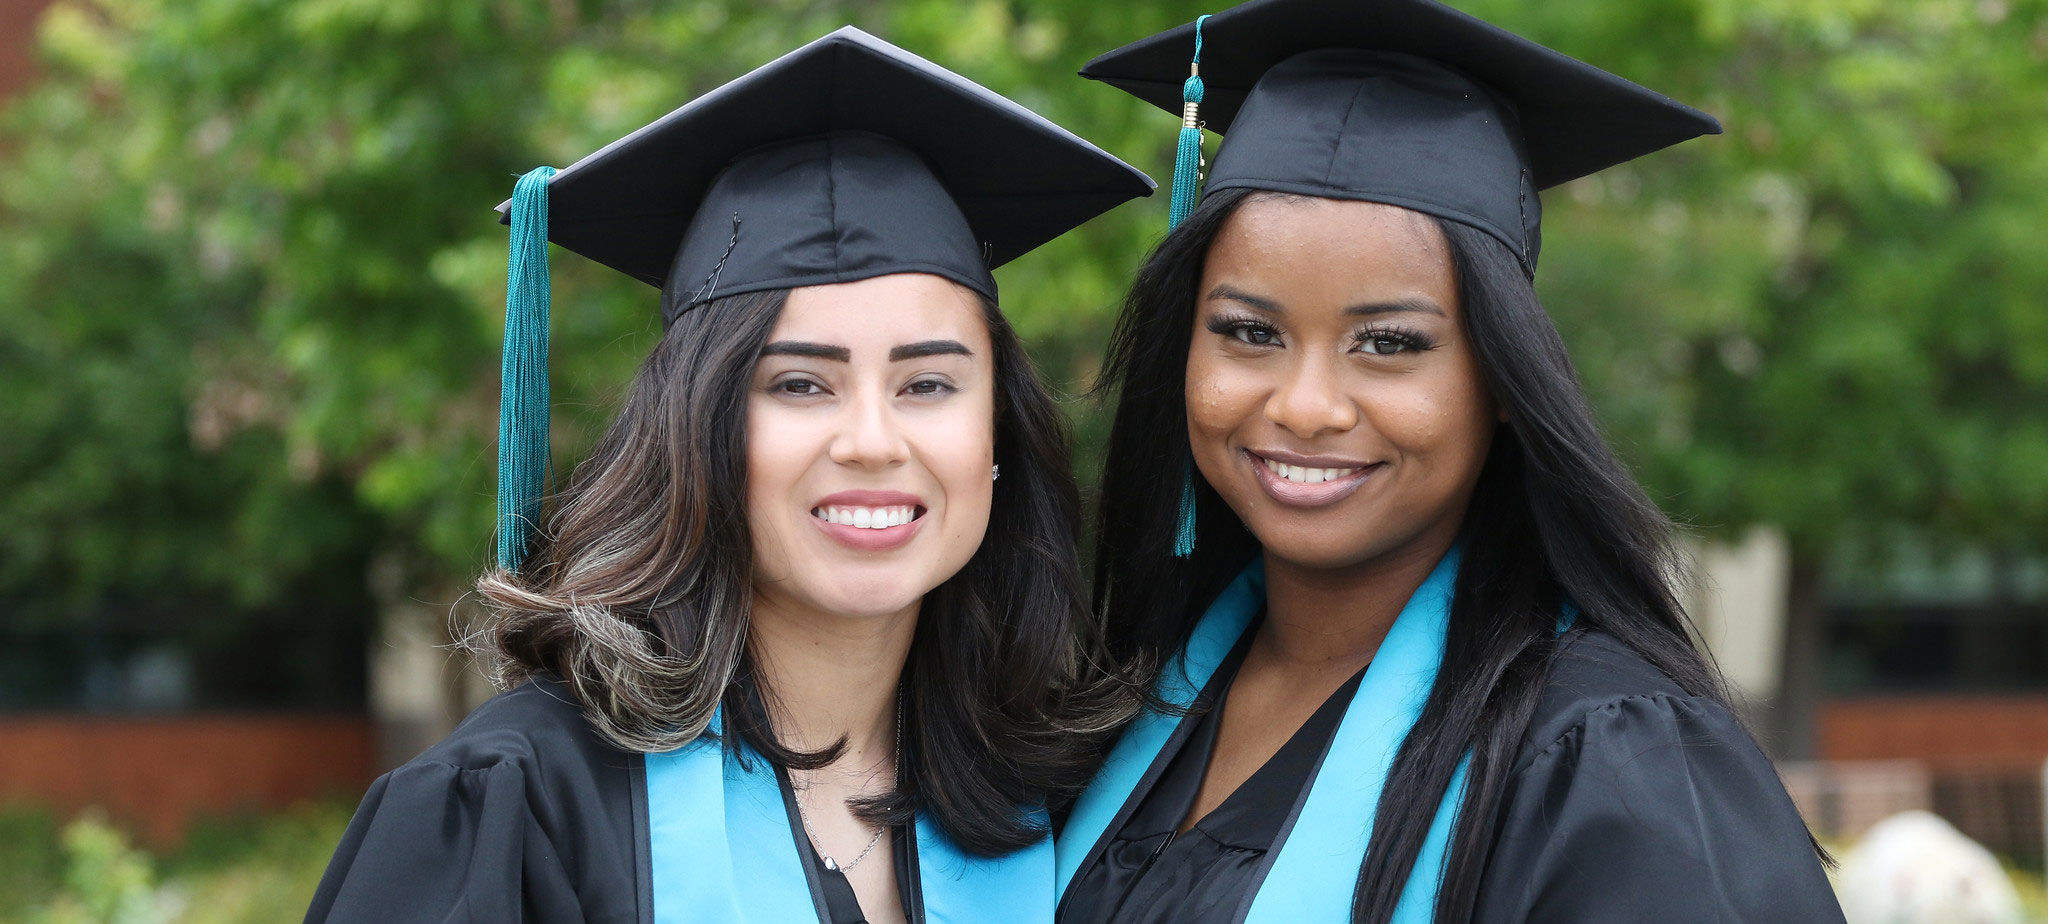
251, 289
237, 869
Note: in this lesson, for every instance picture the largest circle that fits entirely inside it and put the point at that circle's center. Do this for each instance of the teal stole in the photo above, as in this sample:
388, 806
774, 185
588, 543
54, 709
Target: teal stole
722, 851
1315, 872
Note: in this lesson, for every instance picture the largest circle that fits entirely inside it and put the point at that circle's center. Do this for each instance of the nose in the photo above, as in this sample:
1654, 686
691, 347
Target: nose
1309, 403
869, 436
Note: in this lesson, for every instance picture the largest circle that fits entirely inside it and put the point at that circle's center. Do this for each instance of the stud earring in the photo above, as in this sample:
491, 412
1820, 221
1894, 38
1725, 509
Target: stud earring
995, 472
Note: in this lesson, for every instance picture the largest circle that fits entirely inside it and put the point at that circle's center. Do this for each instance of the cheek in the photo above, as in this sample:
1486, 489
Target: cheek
1219, 397
1448, 419
959, 449
779, 451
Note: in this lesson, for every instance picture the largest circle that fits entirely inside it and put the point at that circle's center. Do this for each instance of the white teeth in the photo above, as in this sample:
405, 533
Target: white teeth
866, 517
1301, 475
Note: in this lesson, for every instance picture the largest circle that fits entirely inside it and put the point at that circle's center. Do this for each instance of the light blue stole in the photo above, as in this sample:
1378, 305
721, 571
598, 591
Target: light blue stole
1312, 879
722, 852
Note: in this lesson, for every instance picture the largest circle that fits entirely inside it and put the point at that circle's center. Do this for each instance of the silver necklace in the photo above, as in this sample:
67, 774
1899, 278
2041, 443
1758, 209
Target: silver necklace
812, 833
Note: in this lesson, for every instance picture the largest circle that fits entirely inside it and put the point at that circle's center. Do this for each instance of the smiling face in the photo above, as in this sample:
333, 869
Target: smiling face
870, 434
1332, 398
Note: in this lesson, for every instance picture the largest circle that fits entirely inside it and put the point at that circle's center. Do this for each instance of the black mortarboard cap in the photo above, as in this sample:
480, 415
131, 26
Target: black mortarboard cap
844, 159
1407, 102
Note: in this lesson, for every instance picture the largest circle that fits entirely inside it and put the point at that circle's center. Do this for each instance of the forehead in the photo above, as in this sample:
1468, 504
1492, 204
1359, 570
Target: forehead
884, 311
1335, 250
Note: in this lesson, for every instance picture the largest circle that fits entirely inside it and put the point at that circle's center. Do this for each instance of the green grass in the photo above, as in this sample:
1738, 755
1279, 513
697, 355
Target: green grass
232, 870
31, 859
2033, 898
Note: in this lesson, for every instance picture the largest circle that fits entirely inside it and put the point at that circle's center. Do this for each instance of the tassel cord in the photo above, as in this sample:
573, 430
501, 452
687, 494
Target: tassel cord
1187, 178
523, 387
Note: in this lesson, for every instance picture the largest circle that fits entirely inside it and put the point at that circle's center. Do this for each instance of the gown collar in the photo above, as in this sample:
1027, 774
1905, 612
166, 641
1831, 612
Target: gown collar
722, 852
1315, 871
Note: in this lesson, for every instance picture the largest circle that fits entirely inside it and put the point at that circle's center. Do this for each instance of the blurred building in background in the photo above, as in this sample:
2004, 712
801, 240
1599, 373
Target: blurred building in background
1930, 685
17, 28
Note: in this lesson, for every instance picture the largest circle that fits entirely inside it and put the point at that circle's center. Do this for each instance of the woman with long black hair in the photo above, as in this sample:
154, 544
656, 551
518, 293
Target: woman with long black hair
805, 640
1417, 650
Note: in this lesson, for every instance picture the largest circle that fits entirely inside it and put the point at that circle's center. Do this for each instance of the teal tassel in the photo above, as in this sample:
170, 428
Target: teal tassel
1187, 175
523, 389
1187, 161
1184, 533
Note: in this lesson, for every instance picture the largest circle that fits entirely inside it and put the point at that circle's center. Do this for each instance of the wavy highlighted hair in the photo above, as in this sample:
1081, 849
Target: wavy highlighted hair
639, 592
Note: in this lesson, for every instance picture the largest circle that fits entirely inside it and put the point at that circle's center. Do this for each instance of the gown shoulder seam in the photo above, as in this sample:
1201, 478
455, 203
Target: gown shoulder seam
1578, 727
459, 768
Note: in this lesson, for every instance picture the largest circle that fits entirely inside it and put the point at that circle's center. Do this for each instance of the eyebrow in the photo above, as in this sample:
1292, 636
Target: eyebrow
841, 354
924, 348
1421, 305
813, 350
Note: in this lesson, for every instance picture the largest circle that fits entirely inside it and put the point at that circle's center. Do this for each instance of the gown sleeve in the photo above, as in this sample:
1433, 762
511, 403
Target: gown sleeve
1657, 808
438, 844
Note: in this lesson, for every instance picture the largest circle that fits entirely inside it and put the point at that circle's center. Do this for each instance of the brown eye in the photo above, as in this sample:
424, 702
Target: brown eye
1255, 334
1387, 342
1244, 330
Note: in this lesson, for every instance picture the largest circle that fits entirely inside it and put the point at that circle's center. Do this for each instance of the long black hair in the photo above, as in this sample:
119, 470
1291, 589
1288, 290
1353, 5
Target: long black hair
638, 596
1554, 517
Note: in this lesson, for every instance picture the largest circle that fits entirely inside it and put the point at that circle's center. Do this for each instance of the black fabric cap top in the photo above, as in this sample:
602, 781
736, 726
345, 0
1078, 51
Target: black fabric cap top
1407, 102
844, 159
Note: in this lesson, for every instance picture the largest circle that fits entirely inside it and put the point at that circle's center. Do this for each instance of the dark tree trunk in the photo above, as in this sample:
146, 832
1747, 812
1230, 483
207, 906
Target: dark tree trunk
1800, 685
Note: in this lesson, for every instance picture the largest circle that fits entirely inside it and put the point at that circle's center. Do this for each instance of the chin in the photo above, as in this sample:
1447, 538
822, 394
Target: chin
1307, 551
1343, 544
865, 595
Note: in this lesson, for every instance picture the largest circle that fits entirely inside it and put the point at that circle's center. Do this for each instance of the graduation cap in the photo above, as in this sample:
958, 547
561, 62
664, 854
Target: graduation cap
845, 159
1406, 102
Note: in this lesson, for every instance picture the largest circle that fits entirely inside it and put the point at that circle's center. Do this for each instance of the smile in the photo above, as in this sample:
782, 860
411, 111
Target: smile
1305, 482
1302, 475
867, 517
869, 521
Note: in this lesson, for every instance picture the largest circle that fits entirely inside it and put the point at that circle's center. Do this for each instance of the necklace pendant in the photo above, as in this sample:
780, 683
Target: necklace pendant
831, 864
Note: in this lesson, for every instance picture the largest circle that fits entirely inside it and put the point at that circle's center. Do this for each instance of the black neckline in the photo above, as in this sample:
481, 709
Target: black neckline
1266, 797
831, 894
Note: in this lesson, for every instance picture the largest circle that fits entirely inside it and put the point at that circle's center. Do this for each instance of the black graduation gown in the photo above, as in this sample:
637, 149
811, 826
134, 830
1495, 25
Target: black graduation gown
524, 814
521, 814
1629, 801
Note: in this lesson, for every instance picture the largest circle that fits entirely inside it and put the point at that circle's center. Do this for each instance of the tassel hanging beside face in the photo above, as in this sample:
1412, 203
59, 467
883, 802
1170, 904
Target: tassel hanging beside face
1184, 531
523, 389
1187, 178
1187, 161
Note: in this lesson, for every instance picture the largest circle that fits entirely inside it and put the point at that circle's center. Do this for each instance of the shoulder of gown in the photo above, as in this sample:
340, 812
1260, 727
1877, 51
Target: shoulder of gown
521, 814
1631, 801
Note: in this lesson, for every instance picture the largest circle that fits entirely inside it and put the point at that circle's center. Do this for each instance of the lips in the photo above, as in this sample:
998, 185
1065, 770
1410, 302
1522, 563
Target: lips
869, 521
1309, 481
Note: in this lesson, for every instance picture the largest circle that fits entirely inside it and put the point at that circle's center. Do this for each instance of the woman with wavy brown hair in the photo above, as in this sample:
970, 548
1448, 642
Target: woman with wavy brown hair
804, 638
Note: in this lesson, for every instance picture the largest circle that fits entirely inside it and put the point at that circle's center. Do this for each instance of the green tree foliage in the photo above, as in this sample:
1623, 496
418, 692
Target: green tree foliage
251, 288
1830, 318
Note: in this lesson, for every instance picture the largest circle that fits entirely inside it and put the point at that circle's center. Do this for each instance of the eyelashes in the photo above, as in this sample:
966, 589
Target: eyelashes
1249, 331
803, 386
1379, 339
1385, 341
